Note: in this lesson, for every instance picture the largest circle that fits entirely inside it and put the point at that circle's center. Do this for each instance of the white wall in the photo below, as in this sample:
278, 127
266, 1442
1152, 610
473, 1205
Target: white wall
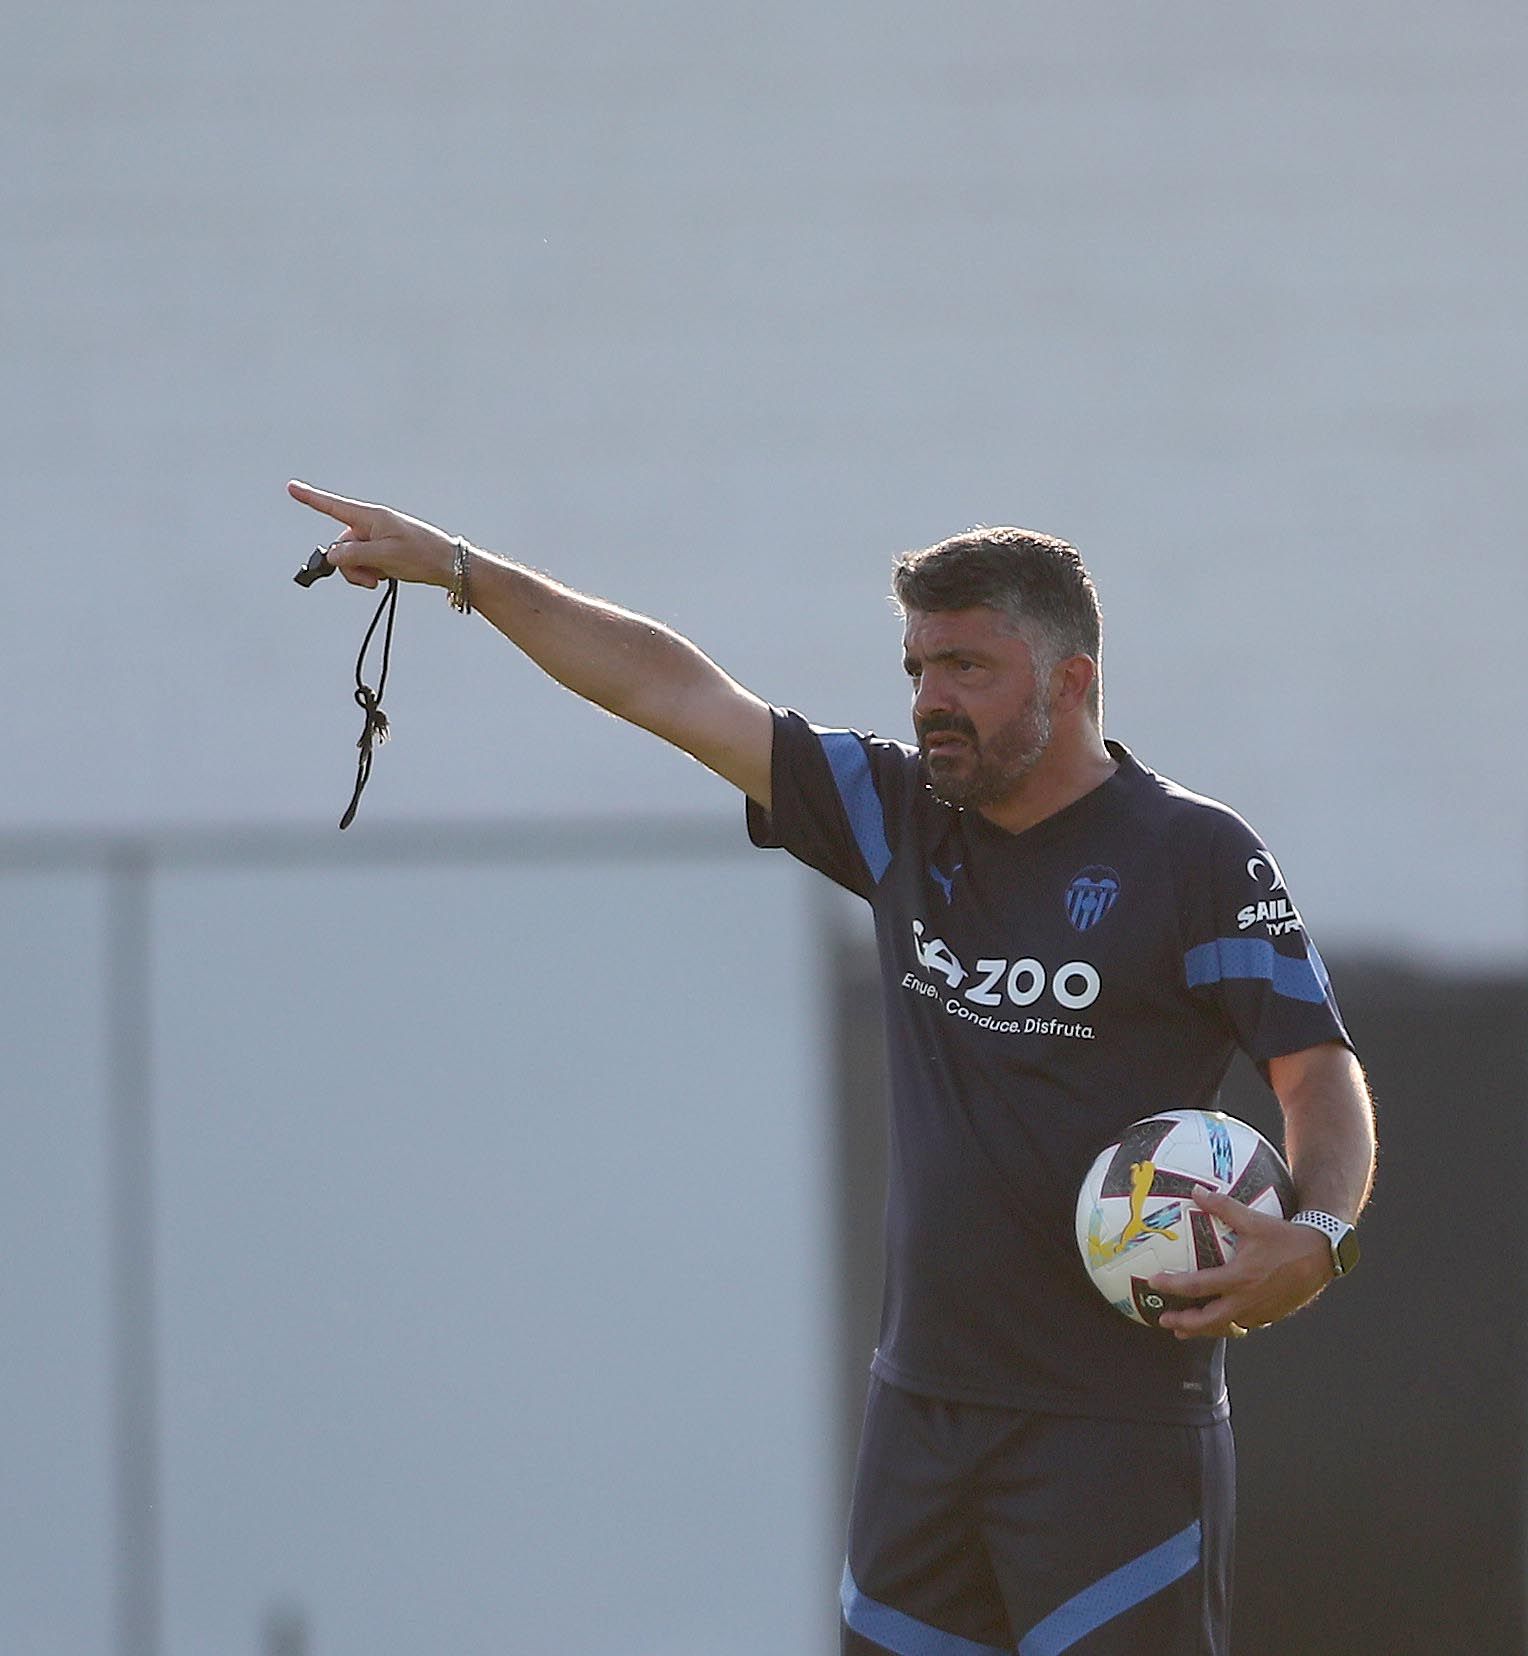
492, 1270
713, 310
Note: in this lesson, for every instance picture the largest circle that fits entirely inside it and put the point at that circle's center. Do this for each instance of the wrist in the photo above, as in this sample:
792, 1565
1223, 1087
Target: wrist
442, 560
1339, 1235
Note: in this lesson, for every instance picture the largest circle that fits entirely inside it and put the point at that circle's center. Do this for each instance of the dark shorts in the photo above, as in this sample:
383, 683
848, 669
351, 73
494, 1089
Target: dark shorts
979, 1531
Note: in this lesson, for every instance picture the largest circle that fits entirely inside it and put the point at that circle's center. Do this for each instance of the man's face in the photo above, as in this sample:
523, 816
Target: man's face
981, 717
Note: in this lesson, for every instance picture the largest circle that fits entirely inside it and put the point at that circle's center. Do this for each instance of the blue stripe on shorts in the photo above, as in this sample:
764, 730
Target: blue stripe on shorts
1112, 1595
901, 1634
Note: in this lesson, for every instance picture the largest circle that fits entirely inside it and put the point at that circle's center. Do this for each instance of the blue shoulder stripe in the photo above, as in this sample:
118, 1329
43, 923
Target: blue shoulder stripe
901, 1634
1256, 957
856, 788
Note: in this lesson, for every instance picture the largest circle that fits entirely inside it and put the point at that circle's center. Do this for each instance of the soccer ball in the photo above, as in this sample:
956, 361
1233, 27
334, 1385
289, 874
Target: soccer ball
1135, 1214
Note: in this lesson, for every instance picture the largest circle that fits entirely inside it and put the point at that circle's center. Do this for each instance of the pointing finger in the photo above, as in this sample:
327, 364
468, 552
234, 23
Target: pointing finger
359, 514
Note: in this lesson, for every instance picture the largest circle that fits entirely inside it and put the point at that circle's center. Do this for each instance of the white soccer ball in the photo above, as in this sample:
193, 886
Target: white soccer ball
1136, 1216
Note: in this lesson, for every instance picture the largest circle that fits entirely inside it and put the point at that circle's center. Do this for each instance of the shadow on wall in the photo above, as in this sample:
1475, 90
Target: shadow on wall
1380, 1432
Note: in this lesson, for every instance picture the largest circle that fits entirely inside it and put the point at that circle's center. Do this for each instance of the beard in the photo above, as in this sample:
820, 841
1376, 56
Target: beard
989, 771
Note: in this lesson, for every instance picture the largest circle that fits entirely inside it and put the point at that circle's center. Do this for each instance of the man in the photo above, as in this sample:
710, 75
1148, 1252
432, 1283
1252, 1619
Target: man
1068, 942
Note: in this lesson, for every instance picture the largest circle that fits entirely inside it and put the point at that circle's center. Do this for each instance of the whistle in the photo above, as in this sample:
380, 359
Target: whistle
314, 569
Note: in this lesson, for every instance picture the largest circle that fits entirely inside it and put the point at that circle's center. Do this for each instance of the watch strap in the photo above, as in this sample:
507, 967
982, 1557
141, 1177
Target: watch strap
1337, 1232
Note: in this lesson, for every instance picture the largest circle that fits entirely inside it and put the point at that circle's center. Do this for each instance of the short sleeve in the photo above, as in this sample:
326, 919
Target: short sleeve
833, 800
1246, 947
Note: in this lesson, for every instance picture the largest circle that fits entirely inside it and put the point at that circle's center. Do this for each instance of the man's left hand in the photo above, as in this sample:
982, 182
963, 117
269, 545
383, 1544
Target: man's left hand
1278, 1267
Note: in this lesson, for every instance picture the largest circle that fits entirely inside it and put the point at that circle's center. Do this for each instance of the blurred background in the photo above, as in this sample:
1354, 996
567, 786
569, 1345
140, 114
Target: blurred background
459, 1235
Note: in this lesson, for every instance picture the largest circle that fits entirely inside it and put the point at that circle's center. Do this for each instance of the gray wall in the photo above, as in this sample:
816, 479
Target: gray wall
490, 1258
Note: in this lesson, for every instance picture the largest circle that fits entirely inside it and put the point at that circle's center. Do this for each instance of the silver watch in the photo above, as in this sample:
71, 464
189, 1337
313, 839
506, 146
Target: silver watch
1340, 1236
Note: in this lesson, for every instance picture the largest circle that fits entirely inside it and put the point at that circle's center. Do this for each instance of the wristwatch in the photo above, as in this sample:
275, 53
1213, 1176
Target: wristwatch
1340, 1236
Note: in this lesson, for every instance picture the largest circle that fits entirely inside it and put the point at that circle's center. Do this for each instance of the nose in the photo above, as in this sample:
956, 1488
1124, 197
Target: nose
932, 695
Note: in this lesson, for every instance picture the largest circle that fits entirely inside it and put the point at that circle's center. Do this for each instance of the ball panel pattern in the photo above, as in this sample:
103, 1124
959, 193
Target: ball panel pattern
1135, 1216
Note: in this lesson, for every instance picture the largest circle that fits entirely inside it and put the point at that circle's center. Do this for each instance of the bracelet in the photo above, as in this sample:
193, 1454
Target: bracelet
458, 597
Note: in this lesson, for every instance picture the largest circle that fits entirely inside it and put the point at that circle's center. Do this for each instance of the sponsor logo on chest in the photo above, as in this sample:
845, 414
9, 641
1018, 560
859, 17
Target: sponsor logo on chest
989, 991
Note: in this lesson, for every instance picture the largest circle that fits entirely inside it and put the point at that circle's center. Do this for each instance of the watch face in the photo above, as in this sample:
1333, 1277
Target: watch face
1346, 1251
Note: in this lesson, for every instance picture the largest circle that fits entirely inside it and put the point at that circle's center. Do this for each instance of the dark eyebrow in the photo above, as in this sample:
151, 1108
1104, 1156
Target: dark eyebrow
979, 656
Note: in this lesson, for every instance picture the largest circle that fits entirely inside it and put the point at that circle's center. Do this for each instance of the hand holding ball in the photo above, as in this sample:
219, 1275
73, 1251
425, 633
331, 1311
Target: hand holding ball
1136, 1214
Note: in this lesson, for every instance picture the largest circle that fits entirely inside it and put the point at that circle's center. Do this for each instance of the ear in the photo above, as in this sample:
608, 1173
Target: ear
1071, 680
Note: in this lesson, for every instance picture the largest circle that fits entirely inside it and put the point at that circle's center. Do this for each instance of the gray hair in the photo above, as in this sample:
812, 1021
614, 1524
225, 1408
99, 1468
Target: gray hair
1038, 583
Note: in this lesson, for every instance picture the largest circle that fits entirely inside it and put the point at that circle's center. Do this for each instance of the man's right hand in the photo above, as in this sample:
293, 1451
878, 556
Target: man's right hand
379, 544
629, 664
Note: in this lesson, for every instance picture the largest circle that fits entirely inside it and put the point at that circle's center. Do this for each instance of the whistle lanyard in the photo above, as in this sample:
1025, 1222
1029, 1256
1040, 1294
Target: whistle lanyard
374, 731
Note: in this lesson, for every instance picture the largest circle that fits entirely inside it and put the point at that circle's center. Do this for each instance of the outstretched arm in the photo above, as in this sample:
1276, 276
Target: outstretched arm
634, 667
1329, 1134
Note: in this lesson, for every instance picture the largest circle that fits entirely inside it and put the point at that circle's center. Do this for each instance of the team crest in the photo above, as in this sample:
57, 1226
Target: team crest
1091, 895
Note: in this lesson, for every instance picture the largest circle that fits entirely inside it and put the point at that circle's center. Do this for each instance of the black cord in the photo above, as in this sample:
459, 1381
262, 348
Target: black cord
374, 731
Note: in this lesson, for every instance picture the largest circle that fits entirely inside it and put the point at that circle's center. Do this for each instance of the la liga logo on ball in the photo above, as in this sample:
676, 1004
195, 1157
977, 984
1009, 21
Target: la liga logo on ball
1136, 1214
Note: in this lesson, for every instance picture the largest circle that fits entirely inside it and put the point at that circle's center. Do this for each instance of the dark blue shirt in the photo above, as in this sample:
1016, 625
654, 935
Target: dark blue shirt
1042, 991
